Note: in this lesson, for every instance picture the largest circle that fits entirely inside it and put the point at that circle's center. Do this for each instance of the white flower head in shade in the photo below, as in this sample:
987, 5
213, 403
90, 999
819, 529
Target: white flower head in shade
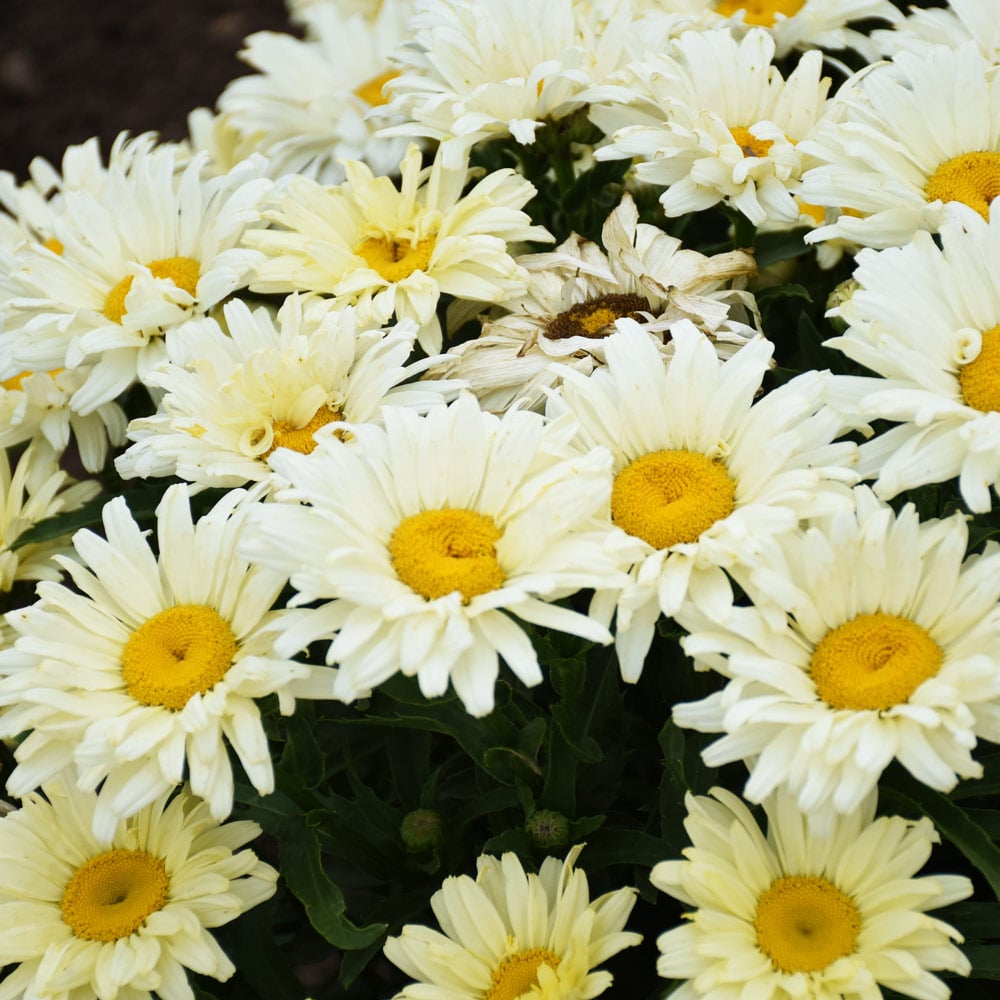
926, 318
427, 537
705, 479
395, 250
38, 405
150, 666
508, 934
871, 638
894, 153
156, 246
798, 24
957, 23
105, 918
233, 397
473, 72
305, 108
576, 293
712, 120
36, 489
787, 914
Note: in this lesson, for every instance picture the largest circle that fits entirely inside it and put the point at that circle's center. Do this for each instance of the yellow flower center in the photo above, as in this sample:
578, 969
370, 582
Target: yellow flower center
873, 662
176, 654
516, 974
980, 378
437, 552
393, 259
110, 896
669, 497
371, 91
750, 145
972, 178
760, 12
815, 212
54, 245
594, 318
302, 438
804, 922
183, 271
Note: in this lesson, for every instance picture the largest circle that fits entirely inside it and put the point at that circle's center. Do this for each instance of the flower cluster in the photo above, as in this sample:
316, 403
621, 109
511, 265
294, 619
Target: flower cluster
519, 424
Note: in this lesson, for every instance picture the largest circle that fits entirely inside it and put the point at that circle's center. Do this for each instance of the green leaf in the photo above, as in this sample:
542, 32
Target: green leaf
626, 847
952, 822
260, 961
302, 869
985, 959
770, 248
974, 920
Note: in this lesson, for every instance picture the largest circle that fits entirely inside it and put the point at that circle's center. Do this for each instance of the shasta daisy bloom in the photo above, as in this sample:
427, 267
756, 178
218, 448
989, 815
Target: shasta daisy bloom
395, 250
871, 638
427, 537
926, 318
305, 108
576, 293
157, 246
472, 72
150, 666
36, 489
961, 21
39, 405
511, 934
895, 153
234, 396
786, 914
704, 478
712, 120
105, 918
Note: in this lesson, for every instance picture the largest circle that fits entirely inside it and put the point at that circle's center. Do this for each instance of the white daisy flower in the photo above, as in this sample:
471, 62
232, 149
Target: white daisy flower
155, 247
576, 293
38, 405
37, 489
511, 934
471, 71
426, 540
705, 479
390, 250
786, 914
712, 120
872, 638
926, 317
233, 396
895, 153
122, 916
961, 21
150, 665
305, 108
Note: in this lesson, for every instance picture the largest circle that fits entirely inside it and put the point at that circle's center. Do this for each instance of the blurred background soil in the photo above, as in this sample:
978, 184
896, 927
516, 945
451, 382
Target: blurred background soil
70, 69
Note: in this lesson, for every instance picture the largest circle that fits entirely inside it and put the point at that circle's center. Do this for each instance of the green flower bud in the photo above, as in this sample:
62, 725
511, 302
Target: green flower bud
547, 828
421, 830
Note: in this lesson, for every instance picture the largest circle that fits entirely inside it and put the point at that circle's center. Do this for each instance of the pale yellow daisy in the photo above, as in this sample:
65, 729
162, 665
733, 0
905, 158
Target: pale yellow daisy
119, 917
510, 934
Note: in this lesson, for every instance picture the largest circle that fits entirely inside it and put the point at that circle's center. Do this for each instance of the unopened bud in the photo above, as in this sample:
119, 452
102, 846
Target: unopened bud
547, 828
421, 830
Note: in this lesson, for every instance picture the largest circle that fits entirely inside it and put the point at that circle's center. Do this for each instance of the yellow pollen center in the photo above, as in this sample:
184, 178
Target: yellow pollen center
182, 271
301, 439
16, 382
437, 552
669, 497
980, 378
972, 178
54, 245
516, 974
371, 91
395, 260
750, 145
178, 653
110, 896
804, 923
595, 317
873, 662
815, 212
760, 12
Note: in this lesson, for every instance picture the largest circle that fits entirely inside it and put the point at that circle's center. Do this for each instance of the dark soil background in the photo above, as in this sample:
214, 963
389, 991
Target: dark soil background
70, 69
